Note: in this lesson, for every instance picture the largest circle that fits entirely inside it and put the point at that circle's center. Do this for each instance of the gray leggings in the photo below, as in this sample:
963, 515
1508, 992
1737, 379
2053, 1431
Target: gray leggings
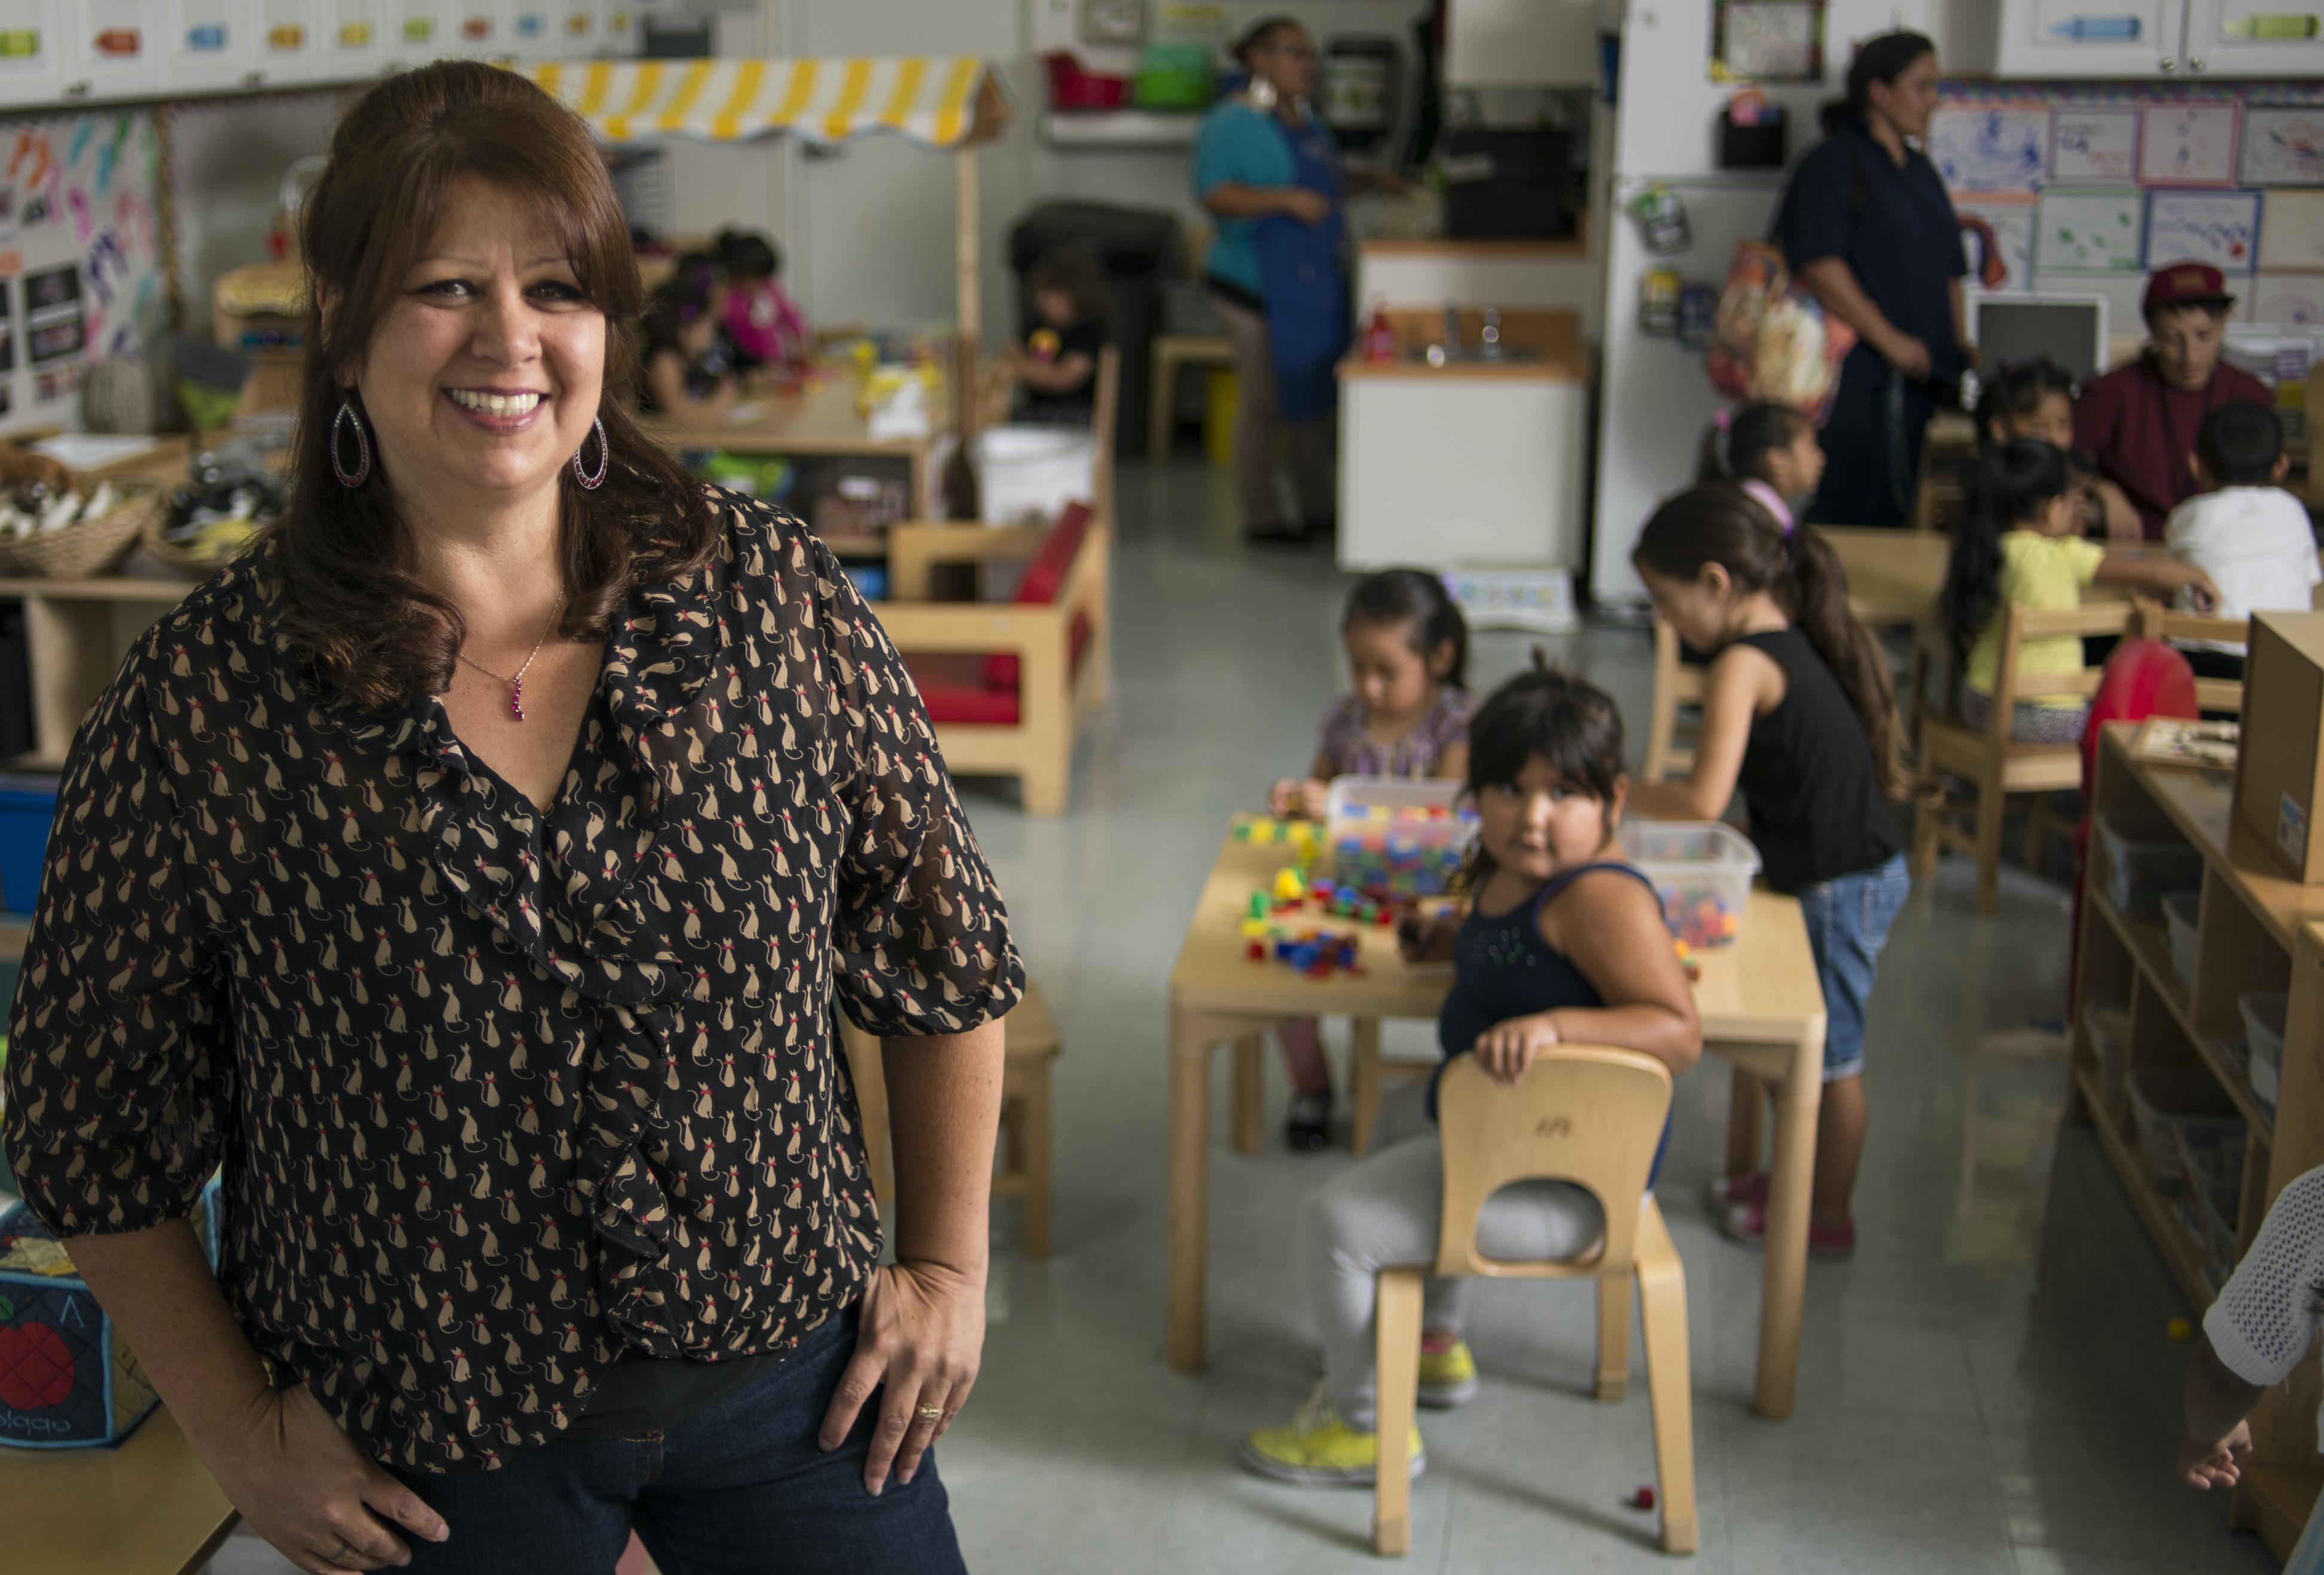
1383, 1212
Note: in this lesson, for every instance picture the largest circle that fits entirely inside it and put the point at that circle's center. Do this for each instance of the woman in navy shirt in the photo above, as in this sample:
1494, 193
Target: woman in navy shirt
1868, 228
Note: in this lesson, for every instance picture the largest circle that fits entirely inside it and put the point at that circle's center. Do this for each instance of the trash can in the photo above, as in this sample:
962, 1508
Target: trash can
1138, 248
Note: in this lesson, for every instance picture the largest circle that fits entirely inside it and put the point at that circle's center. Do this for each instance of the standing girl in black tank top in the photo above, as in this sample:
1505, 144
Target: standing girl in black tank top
1799, 716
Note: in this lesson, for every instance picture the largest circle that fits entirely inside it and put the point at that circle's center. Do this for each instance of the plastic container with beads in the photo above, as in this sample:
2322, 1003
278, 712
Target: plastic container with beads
1702, 870
1395, 837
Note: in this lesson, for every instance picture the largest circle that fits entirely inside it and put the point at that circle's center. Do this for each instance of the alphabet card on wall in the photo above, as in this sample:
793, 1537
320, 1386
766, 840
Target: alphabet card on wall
2094, 145
2187, 144
2292, 239
2088, 231
2217, 228
1986, 150
2283, 146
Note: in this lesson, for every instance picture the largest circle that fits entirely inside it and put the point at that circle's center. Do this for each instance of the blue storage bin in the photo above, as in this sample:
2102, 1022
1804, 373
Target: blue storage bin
27, 806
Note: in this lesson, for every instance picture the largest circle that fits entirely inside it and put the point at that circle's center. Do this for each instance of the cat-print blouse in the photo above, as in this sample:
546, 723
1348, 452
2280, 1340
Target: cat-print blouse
500, 1093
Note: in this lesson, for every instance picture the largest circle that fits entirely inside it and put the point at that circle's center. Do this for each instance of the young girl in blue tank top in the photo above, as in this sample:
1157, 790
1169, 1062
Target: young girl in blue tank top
1565, 941
1799, 716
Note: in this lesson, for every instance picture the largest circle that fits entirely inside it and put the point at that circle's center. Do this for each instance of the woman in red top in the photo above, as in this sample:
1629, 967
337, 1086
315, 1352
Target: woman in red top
2138, 422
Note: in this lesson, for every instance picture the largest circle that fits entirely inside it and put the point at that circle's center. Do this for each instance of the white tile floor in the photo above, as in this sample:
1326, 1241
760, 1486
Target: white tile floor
1987, 1387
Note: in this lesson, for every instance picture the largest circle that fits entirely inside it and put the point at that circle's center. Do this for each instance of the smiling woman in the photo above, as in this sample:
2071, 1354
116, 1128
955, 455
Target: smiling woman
472, 872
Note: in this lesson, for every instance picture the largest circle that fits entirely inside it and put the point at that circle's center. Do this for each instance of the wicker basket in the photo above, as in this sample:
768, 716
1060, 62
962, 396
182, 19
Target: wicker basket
157, 547
87, 546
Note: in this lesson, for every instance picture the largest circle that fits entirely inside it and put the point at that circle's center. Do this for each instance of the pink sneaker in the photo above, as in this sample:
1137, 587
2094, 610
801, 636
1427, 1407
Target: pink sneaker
1751, 1187
1747, 1223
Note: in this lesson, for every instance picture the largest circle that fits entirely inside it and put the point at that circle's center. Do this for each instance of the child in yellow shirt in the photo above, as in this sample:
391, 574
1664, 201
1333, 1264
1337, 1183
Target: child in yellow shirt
2019, 545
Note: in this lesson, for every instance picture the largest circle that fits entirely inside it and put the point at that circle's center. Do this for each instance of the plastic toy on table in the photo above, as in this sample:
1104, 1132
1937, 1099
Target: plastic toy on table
1702, 870
1395, 838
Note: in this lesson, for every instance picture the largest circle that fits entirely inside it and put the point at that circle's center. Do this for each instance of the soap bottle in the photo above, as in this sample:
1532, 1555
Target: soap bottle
1379, 336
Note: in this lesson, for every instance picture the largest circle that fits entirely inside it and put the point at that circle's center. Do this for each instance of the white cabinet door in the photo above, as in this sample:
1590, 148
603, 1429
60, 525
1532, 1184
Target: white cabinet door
116, 52
417, 31
1528, 43
286, 39
206, 45
2089, 38
33, 53
354, 39
2255, 38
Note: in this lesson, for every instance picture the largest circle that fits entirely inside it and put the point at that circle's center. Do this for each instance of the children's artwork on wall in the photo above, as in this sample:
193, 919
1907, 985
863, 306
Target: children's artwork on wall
2012, 224
1984, 149
2217, 228
2094, 145
2088, 231
2283, 147
2292, 238
2287, 300
2187, 144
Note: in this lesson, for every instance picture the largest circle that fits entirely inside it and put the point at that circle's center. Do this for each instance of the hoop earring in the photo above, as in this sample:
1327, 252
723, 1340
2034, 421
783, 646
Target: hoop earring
360, 472
592, 481
1261, 92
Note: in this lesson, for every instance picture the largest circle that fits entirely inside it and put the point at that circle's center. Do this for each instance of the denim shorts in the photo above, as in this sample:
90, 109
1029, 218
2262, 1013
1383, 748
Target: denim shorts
1847, 919
743, 1488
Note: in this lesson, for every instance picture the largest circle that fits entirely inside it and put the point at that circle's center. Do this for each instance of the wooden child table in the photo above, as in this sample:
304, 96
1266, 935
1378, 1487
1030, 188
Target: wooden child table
1761, 1007
149, 1507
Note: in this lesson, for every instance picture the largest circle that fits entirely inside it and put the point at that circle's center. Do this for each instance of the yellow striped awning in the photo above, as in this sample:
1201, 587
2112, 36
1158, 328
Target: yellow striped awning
938, 103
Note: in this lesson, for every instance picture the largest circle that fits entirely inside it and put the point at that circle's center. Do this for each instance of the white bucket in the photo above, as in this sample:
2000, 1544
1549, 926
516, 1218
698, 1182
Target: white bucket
1028, 473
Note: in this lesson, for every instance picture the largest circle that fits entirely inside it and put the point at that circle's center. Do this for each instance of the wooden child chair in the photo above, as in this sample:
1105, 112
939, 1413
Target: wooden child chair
1592, 1116
2157, 621
1677, 682
1024, 1143
1995, 766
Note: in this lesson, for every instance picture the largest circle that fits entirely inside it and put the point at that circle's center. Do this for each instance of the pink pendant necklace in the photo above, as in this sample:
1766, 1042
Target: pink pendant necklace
515, 681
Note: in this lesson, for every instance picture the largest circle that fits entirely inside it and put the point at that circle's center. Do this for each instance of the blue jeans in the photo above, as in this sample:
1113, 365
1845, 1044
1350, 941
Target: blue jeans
1847, 919
740, 1489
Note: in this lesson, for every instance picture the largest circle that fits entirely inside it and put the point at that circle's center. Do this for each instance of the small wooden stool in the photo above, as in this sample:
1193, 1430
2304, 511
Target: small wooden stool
1171, 353
1024, 1145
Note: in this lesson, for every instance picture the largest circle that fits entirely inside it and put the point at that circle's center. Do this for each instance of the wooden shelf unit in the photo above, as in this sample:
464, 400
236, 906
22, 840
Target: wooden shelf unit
2255, 930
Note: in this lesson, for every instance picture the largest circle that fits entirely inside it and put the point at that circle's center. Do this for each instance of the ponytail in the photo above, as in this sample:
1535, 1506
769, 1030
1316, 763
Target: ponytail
2013, 481
1719, 522
1736, 447
1877, 59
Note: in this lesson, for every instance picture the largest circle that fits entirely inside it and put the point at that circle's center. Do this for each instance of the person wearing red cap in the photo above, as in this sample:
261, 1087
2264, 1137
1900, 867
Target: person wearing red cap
2138, 422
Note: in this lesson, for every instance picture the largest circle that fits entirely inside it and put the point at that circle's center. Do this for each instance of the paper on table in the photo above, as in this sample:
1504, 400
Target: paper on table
92, 450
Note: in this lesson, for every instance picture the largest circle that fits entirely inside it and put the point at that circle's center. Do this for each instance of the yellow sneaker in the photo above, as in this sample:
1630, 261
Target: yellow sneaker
1319, 1449
1448, 1372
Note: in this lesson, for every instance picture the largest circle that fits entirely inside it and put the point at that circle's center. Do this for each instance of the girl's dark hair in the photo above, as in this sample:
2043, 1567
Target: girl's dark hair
747, 256
1719, 522
1736, 450
1877, 59
1417, 603
2017, 390
2013, 481
1551, 713
353, 606
1075, 272
1261, 34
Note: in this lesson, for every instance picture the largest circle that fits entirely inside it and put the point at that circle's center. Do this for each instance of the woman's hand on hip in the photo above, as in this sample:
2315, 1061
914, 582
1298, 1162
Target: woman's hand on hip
1306, 204
919, 1343
309, 1489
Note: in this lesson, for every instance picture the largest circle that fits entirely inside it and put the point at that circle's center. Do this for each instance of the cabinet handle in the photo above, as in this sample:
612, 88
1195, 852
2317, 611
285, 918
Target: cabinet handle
2195, 63
2168, 63
254, 79
76, 90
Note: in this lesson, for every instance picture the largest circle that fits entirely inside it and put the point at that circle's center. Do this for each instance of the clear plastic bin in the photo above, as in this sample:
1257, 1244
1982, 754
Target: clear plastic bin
1702, 870
2144, 861
2162, 1099
2106, 1029
2179, 910
2263, 1012
1398, 836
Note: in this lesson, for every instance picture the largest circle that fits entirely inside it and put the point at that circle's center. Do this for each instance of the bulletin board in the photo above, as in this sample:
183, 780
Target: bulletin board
81, 274
2133, 177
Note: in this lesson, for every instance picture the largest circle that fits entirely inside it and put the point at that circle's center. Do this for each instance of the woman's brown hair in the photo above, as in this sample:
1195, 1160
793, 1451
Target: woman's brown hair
1719, 522
353, 604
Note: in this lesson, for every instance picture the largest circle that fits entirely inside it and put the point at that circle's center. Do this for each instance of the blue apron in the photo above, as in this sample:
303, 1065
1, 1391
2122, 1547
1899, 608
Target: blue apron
1308, 327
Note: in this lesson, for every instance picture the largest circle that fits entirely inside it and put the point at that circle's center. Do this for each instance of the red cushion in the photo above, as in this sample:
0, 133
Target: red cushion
1043, 577
954, 690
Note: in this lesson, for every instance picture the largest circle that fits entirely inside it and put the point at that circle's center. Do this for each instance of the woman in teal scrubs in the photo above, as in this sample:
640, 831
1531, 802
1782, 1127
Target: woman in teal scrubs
1266, 168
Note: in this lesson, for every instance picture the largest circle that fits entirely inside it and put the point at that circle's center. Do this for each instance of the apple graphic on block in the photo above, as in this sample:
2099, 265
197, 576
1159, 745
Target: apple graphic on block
36, 1366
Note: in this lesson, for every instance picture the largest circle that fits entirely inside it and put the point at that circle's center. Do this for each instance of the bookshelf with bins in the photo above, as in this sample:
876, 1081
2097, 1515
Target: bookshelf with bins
2161, 1060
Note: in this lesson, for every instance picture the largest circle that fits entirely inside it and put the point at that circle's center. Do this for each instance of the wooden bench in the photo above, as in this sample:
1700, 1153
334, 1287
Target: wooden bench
1025, 1136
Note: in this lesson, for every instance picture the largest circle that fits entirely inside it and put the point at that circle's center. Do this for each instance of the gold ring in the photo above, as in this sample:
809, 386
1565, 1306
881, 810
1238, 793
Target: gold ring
932, 1413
